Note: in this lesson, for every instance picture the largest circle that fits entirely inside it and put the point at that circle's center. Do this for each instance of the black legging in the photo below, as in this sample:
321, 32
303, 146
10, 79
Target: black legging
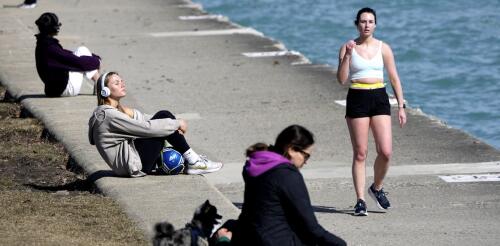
149, 148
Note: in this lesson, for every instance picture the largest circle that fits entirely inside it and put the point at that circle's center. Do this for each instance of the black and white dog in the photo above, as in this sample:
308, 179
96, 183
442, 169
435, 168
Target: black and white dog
195, 233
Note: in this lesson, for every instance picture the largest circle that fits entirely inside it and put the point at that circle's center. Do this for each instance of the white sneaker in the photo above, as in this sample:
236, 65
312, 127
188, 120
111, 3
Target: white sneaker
137, 174
204, 165
26, 6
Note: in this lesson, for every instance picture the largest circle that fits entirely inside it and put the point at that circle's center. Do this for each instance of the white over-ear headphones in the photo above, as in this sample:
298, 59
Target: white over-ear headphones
105, 92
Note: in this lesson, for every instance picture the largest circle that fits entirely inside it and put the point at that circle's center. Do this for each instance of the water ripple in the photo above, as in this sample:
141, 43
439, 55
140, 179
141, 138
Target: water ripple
447, 52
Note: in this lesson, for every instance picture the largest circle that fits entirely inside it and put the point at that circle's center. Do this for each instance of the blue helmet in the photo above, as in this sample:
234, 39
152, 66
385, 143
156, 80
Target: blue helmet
171, 161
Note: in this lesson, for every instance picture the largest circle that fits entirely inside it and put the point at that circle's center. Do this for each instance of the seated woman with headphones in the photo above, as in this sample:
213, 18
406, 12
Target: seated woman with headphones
129, 141
62, 70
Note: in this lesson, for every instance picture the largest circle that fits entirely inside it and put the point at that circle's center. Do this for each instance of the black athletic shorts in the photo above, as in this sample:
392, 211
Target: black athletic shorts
367, 103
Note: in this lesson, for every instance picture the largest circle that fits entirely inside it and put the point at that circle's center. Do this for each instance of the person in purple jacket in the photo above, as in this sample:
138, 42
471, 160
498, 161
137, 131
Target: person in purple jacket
61, 70
276, 206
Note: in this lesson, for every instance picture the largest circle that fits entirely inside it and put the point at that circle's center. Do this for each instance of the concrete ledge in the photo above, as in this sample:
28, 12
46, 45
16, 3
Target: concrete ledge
146, 200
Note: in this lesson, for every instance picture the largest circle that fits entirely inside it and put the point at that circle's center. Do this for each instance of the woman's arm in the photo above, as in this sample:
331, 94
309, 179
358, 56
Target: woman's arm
74, 62
297, 196
344, 61
123, 124
390, 66
136, 114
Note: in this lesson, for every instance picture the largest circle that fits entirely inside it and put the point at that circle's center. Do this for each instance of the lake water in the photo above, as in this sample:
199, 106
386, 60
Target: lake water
447, 52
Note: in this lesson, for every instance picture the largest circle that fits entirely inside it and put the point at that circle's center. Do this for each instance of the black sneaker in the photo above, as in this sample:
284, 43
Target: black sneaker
360, 208
379, 197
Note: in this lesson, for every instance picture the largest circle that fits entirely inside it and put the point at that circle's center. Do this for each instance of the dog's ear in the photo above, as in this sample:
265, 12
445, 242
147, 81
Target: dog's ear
207, 207
213, 210
210, 210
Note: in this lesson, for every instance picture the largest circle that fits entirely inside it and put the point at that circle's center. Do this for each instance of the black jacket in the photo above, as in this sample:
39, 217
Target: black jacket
53, 64
277, 211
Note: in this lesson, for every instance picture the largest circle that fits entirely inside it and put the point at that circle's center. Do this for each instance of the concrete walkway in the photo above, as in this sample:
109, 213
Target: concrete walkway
204, 70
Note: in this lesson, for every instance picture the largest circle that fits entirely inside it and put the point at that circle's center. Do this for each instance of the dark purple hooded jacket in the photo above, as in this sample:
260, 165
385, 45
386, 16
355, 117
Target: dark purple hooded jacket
276, 208
53, 64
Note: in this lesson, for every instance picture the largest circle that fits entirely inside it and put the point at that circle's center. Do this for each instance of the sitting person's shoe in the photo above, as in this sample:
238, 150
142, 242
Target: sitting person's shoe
379, 197
26, 6
360, 208
137, 174
203, 165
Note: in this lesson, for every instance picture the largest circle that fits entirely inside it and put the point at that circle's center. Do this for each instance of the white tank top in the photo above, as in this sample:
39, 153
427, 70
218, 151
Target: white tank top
362, 68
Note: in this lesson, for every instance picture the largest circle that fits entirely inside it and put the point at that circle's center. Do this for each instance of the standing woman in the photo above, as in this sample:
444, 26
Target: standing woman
130, 141
362, 61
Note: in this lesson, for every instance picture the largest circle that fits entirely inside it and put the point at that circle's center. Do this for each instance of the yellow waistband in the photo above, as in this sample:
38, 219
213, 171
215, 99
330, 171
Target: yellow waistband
366, 86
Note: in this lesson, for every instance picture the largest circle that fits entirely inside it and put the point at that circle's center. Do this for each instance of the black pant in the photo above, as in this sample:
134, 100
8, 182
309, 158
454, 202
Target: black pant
149, 148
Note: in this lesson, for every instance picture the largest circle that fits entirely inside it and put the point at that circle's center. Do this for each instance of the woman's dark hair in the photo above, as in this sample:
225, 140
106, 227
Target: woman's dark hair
48, 24
365, 10
295, 136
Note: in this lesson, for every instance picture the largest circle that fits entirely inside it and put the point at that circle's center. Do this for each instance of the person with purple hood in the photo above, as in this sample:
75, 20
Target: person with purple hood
276, 208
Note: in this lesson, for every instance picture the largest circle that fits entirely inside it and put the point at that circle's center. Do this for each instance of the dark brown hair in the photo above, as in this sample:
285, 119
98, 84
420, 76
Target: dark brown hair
48, 24
365, 10
295, 136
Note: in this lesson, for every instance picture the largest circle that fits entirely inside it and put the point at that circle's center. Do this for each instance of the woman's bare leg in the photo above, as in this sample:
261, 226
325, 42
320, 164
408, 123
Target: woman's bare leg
382, 134
358, 130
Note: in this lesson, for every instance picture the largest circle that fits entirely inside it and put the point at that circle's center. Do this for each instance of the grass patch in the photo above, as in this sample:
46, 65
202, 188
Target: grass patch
45, 204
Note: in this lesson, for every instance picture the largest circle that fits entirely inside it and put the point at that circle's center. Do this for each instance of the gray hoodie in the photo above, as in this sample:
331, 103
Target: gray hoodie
113, 134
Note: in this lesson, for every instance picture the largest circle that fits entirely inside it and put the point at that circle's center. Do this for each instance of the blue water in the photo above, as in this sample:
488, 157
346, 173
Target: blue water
447, 52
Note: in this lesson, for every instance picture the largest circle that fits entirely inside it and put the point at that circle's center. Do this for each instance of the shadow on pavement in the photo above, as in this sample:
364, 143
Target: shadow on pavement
85, 185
